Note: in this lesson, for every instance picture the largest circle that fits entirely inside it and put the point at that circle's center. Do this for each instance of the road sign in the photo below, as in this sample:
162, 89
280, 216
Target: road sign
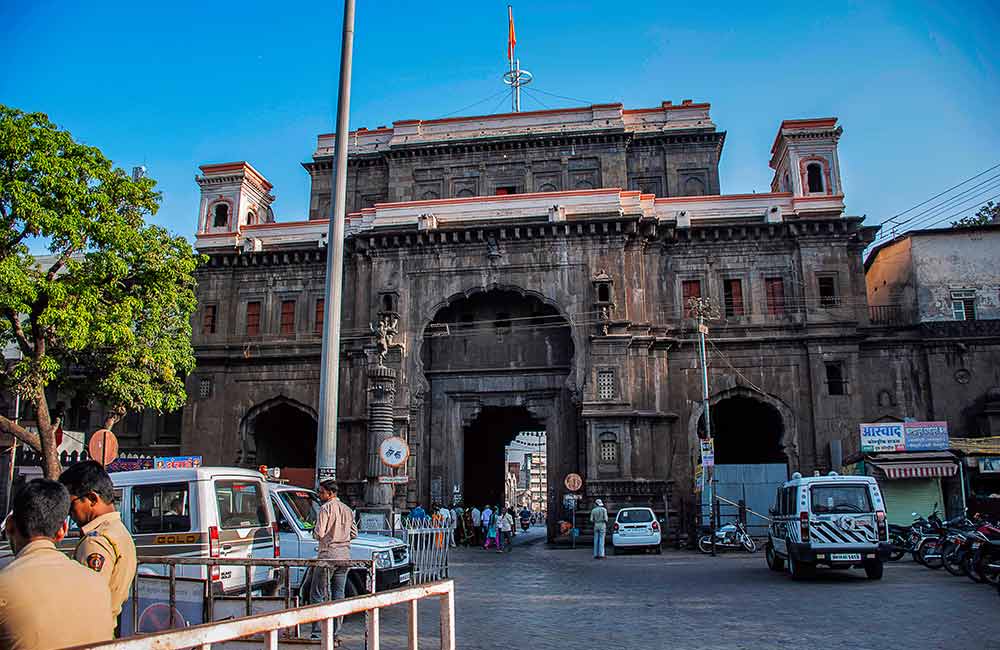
393, 479
394, 452
573, 482
103, 446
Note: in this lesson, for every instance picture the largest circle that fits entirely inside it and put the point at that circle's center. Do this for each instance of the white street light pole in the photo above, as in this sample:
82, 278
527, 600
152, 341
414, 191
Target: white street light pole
329, 382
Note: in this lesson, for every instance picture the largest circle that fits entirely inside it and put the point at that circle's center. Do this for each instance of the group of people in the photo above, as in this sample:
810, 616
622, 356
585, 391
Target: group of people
492, 527
87, 593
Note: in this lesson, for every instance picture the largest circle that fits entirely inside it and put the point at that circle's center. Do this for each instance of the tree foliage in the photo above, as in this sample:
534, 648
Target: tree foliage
989, 213
106, 315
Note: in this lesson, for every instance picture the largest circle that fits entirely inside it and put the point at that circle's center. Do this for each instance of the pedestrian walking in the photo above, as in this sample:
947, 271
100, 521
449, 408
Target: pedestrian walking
487, 519
599, 517
477, 521
448, 520
106, 546
418, 513
506, 529
335, 528
47, 600
468, 529
490, 526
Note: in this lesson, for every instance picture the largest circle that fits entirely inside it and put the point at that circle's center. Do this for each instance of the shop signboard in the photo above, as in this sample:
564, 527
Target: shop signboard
904, 436
176, 462
989, 465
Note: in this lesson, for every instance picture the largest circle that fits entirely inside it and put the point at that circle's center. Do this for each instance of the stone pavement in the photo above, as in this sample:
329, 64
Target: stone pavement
541, 598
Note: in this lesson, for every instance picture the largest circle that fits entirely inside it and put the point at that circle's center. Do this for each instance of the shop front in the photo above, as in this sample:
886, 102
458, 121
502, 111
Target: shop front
981, 459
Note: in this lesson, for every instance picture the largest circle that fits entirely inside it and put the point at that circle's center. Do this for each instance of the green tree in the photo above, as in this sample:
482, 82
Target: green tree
989, 213
106, 315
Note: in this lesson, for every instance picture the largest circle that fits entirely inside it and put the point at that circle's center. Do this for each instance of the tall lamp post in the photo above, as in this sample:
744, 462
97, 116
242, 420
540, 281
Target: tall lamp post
329, 381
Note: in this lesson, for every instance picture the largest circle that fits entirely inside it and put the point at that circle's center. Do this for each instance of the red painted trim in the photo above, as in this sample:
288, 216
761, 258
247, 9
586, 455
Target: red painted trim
242, 165
825, 197
722, 197
811, 123
667, 107
217, 234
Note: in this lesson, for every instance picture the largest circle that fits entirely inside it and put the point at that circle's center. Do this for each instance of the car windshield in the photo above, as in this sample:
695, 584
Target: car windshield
303, 506
642, 516
840, 498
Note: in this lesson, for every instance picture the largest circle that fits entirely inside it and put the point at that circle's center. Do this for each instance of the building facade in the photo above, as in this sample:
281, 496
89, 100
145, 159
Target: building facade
534, 271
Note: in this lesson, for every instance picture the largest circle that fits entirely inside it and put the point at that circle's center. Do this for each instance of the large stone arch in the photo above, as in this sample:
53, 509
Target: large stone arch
427, 316
448, 397
790, 433
249, 452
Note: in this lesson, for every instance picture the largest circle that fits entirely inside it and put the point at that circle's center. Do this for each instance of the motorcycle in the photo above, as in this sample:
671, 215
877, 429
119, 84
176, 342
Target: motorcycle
984, 564
959, 548
731, 536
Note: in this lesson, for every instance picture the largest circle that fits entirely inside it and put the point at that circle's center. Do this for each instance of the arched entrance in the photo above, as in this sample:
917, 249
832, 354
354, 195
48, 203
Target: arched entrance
752, 449
497, 363
486, 440
279, 433
747, 431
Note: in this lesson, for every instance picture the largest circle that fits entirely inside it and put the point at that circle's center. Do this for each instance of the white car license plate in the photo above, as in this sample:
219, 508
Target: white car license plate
845, 557
404, 577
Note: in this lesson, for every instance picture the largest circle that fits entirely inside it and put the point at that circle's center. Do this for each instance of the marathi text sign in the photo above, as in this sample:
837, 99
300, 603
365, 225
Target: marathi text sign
176, 462
904, 436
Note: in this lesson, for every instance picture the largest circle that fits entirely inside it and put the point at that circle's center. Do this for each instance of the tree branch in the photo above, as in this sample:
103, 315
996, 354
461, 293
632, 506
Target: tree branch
22, 339
27, 437
59, 264
113, 416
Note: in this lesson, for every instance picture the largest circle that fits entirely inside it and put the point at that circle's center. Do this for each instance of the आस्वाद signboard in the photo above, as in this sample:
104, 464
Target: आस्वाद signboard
904, 436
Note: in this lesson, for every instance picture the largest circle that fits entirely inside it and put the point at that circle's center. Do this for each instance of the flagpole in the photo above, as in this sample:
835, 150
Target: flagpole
515, 77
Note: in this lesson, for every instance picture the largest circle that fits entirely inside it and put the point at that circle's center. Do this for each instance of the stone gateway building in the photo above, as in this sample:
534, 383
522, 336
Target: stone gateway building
534, 270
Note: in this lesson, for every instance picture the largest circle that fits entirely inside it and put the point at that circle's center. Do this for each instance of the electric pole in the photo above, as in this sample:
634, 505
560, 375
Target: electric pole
329, 381
703, 310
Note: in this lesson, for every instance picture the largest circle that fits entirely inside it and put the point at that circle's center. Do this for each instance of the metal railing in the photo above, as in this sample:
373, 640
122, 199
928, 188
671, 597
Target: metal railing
284, 578
429, 541
270, 625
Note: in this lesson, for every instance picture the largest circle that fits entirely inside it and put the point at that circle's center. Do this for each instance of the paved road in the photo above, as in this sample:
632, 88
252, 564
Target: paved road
541, 598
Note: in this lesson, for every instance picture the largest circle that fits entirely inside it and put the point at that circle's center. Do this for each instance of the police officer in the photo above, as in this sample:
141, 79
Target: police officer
106, 546
48, 601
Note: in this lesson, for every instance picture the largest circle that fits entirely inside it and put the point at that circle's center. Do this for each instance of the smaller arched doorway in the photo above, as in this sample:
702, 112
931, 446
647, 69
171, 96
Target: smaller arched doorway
279, 433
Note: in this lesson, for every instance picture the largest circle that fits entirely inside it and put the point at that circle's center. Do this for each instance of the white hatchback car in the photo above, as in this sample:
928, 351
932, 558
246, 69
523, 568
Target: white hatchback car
635, 528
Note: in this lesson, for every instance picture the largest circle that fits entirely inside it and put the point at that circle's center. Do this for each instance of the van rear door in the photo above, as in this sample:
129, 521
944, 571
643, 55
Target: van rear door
244, 516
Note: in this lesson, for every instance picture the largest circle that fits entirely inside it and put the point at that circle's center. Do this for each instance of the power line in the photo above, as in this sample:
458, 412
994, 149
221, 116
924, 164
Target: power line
930, 213
481, 101
894, 217
572, 99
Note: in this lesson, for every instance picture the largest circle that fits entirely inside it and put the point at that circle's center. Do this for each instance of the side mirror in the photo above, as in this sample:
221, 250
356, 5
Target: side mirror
914, 514
285, 527
772, 511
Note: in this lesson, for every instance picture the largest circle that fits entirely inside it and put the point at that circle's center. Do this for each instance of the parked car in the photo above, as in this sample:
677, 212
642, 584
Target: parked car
832, 521
296, 509
635, 528
200, 512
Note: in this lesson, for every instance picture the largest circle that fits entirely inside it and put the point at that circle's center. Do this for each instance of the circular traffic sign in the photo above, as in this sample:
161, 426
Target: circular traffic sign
103, 446
394, 452
573, 482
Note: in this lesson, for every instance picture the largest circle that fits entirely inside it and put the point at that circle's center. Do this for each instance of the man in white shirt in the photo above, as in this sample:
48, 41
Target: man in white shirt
477, 520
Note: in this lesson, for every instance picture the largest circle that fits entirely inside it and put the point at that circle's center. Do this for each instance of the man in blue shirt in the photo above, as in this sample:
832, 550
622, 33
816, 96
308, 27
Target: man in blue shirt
418, 512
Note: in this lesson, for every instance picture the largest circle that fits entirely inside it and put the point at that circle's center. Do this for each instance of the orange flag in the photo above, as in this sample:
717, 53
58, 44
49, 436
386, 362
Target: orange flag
511, 39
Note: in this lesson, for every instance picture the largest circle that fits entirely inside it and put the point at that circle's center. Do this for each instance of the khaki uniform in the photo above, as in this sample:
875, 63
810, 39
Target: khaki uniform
108, 549
48, 601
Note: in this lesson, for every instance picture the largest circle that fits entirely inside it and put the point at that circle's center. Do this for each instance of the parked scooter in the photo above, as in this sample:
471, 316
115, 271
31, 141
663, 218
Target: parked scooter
729, 537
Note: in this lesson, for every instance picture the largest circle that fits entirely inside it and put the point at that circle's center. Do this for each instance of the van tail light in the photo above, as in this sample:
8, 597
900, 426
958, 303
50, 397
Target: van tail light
804, 526
883, 532
656, 525
615, 529
277, 539
213, 549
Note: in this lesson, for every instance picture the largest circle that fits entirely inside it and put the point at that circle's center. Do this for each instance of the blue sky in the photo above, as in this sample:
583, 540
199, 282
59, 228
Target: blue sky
174, 85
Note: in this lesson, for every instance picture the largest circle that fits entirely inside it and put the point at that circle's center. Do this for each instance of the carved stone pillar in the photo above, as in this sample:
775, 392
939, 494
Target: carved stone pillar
381, 402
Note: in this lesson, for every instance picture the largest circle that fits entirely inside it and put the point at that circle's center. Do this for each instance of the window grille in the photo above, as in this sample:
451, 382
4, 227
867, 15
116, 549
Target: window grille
609, 452
606, 384
205, 388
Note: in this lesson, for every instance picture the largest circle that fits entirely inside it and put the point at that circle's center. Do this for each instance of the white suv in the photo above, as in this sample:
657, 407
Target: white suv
635, 528
296, 508
831, 521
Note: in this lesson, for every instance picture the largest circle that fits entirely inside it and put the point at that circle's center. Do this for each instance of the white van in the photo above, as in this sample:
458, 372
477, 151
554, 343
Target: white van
296, 508
832, 521
200, 512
